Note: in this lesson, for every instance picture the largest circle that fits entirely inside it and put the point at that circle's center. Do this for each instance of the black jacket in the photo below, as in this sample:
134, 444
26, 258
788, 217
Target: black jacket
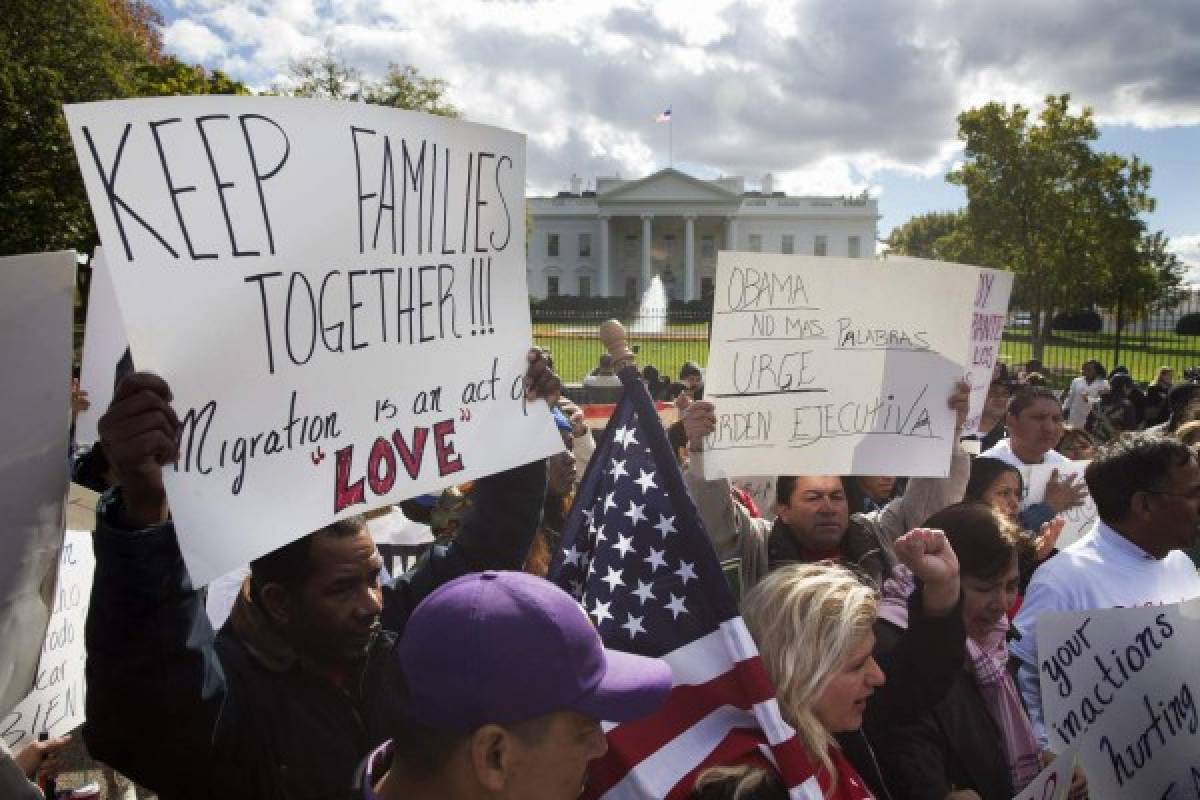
193, 715
956, 745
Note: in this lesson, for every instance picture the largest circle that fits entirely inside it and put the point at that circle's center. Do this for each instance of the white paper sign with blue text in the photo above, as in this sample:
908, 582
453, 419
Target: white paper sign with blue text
334, 291
1120, 685
835, 366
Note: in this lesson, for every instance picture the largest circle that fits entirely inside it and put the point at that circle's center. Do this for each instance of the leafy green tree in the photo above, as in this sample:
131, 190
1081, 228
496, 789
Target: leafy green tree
171, 76
328, 75
1042, 202
925, 235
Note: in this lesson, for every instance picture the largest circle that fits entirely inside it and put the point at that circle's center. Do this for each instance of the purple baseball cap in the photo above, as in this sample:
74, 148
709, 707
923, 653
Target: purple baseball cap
506, 647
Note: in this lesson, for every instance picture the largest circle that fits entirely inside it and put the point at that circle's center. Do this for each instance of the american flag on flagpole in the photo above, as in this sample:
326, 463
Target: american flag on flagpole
665, 116
636, 557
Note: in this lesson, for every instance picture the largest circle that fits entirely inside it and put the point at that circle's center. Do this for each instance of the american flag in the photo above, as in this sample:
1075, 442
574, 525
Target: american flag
636, 557
665, 116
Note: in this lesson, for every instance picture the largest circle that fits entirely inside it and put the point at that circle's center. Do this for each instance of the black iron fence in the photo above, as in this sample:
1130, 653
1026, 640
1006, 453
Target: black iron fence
1153, 333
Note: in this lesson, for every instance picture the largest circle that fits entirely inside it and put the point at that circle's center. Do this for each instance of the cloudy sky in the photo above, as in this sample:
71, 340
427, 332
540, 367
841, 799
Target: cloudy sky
831, 96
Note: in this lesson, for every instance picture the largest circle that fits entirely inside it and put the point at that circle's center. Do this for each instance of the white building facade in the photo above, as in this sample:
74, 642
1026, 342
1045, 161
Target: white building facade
613, 241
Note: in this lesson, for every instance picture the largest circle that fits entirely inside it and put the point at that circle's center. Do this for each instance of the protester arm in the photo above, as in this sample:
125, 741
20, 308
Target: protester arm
155, 687
13, 783
726, 521
1041, 597
1035, 516
583, 447
924, 497
920, 663
497, 530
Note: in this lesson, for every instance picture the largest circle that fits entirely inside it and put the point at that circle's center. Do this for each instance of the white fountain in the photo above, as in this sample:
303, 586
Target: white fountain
652, 313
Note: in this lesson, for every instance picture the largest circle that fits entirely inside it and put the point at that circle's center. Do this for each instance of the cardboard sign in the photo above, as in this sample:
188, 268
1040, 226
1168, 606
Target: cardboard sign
335, 293
56, 704
992, 291
835, 366
35, 394
1121, 686
104, 344
1080, 519
1053, 782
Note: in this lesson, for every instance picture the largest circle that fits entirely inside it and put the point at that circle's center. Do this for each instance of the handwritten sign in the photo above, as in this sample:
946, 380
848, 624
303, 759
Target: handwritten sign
992, 290
35, 394
835, 366
56, 704
1121, 686
1052, 783
104, 344
1081, 518
335, 293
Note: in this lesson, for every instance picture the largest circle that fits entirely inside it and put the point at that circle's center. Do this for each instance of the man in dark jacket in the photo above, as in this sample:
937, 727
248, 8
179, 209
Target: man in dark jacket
294, 691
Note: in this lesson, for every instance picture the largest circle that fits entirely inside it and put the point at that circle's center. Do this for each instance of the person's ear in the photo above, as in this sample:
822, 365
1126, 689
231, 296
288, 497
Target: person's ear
278, 604
492, 756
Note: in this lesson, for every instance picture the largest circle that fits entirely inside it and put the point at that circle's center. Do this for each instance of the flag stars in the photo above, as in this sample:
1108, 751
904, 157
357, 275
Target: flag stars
633, 625
572, 556
644, 591
675, 606
600, 612
646, 481
613, 579
618, 469
590, 513
655, 559
608, 503
686, 572
665, 526
600, 537
625, 437
624, 545
636, 512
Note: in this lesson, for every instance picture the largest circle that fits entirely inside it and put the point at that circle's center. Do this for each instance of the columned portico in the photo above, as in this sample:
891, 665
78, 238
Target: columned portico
647, 245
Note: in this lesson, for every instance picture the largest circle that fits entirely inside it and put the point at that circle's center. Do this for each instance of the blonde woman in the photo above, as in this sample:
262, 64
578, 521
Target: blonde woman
815, 626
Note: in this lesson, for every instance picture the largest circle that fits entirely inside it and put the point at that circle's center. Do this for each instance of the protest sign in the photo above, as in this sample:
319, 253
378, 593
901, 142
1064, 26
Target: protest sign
1118, 685
56, 704
1052, 783
992, 290
335, 293
103, 346
35, 393
835, 365
1080, 519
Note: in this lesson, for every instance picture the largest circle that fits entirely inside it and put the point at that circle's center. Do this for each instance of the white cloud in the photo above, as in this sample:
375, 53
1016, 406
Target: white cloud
824, 94
192, 41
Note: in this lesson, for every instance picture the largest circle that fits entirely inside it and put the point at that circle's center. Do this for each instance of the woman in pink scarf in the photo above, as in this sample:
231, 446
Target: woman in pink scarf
977, 743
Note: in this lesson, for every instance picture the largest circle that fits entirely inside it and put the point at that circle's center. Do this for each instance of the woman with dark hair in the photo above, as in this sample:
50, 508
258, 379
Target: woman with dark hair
979, 738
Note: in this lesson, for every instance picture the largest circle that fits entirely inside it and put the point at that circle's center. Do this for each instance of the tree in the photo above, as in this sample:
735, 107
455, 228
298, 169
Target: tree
327, 75
173, 77
920, 235
1042, 202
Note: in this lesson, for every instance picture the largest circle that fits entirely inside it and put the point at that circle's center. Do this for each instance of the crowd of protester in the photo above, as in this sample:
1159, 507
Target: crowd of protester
896, 617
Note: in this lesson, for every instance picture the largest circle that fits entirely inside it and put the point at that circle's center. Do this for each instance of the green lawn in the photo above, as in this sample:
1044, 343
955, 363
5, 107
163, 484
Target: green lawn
576, 354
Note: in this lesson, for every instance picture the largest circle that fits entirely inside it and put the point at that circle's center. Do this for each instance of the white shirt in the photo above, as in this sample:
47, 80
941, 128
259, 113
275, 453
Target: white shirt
1101, 570
1002, 451
1078, 395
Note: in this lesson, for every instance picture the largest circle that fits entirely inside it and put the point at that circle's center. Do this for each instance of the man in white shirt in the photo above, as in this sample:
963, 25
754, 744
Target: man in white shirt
1147, 493
1035, 426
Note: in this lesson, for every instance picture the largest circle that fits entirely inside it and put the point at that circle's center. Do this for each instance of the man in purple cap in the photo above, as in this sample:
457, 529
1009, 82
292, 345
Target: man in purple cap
505, 682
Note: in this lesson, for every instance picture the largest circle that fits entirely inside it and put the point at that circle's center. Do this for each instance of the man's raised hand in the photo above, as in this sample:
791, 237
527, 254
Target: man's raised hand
140, 433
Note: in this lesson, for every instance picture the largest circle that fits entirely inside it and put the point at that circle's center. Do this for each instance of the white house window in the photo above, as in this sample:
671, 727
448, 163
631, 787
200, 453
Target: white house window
854, 247
788, 245
585, 286
552, 245
755, 242
708, 247
585, 245
669, 247
551, 286
821, 246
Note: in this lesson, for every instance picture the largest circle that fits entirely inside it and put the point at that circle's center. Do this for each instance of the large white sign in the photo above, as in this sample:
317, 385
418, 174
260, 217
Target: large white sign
992, 290
1080, 519
1121, 686
835, 365
56, 704
104, 344
35, 395
1053, 782
335, 293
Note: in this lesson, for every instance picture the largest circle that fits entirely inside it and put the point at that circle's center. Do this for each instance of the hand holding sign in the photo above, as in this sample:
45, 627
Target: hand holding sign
140, 433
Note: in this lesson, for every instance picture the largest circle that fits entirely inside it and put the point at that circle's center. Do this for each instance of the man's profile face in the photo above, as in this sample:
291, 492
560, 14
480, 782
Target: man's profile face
340, 602
1037, 428
1176, 508
817, 512
554, 765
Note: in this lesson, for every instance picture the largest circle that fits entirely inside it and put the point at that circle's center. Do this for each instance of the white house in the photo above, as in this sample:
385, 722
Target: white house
612, 241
